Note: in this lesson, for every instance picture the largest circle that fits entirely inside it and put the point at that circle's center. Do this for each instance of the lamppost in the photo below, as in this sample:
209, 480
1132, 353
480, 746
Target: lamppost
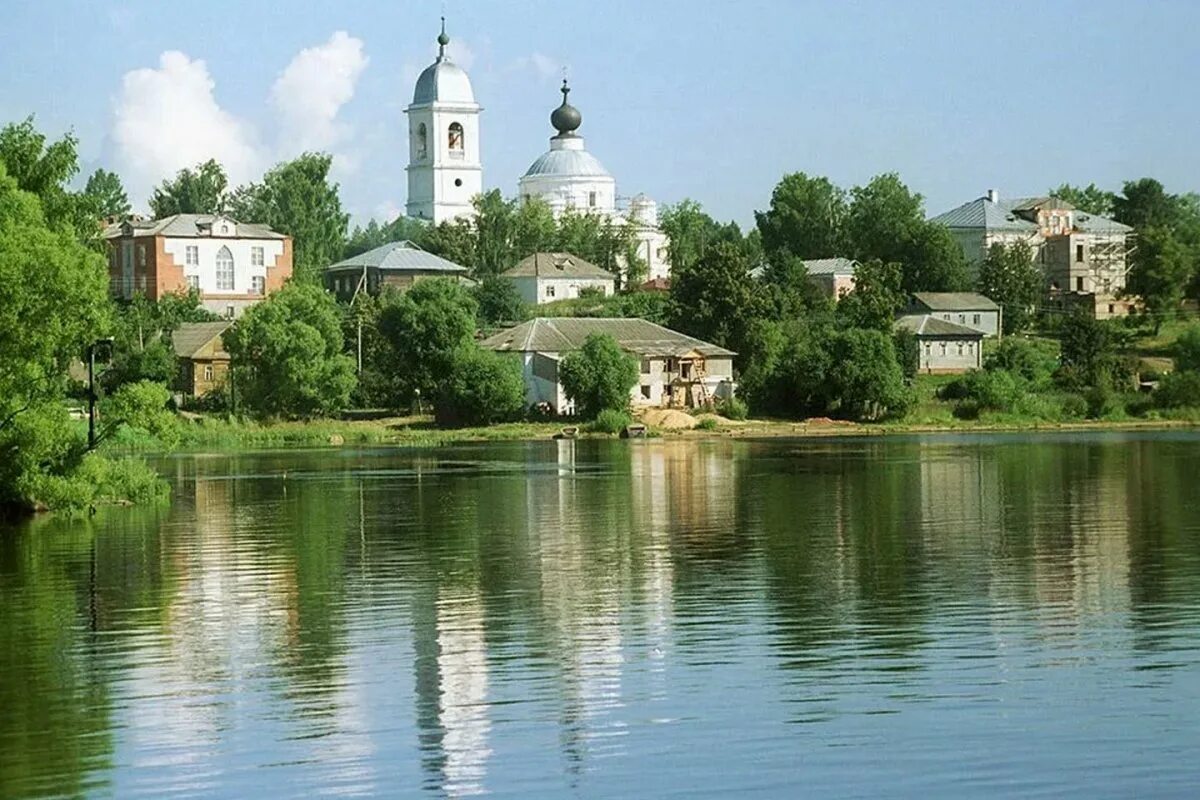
91, 354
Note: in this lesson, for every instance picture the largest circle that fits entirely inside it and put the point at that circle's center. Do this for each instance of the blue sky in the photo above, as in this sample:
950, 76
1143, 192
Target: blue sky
708, 100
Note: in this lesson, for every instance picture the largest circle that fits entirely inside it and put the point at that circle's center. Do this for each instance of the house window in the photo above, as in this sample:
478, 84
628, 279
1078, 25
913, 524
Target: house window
960, 348
193, 281
191, 255
549, 291
1112, 309
455, 139
1079, 284
258, 285
646, 366
229, 312
256, 256
928, 348
645, 392
592, 199
224, 270
975, 319
946, 317
1079, 252
422, 142
943, 347
962, 318
208, 372
141, 255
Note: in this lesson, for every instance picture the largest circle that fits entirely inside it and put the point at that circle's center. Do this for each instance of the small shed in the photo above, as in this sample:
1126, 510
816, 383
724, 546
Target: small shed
200, 353
546, 277
944, 347
396, 264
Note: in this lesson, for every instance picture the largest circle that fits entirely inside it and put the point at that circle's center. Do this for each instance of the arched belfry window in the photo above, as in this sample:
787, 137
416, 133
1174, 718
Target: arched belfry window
224, 270
422, 142
455, 139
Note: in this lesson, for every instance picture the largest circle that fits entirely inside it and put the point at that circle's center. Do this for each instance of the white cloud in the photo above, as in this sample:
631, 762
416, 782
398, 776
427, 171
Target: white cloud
461, 53
168, 118
311, 91
541, 64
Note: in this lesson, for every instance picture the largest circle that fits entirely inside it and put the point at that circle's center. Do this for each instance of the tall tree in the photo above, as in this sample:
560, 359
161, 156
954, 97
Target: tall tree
876, 298
296, 198
201, 190
1090, 198
108, 194
1160, 273
45, 169
286, 355
599, 376
1009, 277
716, 298
691, 232
807, 219
374, 235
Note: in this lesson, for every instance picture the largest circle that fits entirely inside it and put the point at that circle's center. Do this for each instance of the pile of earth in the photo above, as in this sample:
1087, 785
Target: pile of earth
668, 419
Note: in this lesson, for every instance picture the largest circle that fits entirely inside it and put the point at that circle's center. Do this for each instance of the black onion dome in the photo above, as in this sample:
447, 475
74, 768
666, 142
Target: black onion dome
566, 118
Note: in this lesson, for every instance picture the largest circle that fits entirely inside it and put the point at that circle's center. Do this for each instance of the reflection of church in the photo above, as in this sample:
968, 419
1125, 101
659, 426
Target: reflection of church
445, 171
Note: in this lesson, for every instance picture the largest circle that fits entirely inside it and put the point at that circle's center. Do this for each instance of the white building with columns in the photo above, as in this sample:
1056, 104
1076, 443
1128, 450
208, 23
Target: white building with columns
567, 176
444, 169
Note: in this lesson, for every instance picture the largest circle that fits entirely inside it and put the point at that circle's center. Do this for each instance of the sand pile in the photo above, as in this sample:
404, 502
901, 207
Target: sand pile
668, 419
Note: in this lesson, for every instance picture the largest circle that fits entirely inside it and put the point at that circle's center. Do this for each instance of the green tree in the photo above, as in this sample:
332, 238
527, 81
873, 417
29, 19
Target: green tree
374, 235
598, 376
425, 329
286, 355
606, 243
1090, 198
807, 219
142, 337
296, 198
453, 240
1145, 203
1187, 349
499, 301
716, 298
934, 261
108, 195
1009, 277
866, 382
199, 190
692, 232
481, 388
45, 170
1160, 273
876, 297
141, 405
1088, 356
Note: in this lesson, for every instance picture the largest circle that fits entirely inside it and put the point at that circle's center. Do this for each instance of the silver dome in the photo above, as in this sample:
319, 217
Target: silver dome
567, 163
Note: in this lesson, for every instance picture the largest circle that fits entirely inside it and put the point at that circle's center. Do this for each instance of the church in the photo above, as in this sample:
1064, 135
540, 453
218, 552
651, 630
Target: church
445, 170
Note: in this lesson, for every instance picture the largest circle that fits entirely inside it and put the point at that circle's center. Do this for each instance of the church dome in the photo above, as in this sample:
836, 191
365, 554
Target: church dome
566, 118
443, 81
567, 164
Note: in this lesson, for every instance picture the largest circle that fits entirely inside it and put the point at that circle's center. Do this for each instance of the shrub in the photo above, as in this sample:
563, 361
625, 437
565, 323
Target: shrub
734, 408
1178, 390
483, 387
598, 376
1030, 360
1074, 406
708, 424
1187, 349
610, 420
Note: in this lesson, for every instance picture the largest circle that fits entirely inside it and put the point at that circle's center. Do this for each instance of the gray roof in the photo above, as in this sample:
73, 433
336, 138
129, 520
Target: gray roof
568, 163
190, 337
562, 334
929, 325
955, 301
1001, 216
401, 256
831, 266
443, 81
557, 265
191, 225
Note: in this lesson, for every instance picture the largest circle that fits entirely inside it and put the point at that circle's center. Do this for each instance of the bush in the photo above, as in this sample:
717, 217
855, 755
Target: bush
1178, 390
708, 424
1074, 406
1187, 349
1030, 360
734, 408
599, 376
482, 388
610, 420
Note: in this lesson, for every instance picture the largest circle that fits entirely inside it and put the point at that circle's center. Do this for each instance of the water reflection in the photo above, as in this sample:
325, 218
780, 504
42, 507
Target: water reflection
564, 616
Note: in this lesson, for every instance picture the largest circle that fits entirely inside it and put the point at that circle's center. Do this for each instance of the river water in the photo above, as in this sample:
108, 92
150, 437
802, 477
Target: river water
936, 616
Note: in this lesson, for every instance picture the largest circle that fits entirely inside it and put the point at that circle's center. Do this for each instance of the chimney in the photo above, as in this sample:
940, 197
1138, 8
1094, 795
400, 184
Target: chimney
993, 195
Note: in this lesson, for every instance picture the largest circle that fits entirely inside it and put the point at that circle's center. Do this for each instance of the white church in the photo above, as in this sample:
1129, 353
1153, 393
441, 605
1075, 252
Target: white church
445, 170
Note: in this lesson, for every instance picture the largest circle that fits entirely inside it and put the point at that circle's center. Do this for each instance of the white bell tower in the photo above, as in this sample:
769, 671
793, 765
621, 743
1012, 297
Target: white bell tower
444, 172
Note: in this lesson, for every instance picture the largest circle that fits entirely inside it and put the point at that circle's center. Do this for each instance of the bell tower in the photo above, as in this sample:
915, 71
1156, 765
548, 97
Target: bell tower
444, 170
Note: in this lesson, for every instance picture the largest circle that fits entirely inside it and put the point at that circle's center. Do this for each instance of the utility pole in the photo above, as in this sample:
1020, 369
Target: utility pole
91, 354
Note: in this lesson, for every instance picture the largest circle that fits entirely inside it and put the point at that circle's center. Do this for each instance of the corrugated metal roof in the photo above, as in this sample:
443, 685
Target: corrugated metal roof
192, 225
443, 81
561, 334
929, 325
567, 163
1002, 216
557, 265
1094, 223
190, 337
400, 256
831, 266
955, 301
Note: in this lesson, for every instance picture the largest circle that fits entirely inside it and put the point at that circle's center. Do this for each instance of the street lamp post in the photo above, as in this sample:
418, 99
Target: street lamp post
91, 354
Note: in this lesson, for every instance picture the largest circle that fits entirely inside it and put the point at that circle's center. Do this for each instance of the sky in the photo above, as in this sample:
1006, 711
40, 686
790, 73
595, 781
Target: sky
708, 100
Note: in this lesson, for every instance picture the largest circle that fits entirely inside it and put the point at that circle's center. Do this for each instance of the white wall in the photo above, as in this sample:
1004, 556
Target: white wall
441, 186
243, 271
943, 354
537, 290
989, 321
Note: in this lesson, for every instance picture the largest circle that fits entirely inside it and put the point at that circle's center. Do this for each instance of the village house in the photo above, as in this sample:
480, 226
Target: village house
1083, 257
396, 264
676, 370
200, 354
232, 264
969, 309
833, 276
943, 347
546, 277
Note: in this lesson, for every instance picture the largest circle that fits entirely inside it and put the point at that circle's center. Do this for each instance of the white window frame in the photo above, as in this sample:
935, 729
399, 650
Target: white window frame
257, 256
258, 285
225, 279
191, 255
193, 281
